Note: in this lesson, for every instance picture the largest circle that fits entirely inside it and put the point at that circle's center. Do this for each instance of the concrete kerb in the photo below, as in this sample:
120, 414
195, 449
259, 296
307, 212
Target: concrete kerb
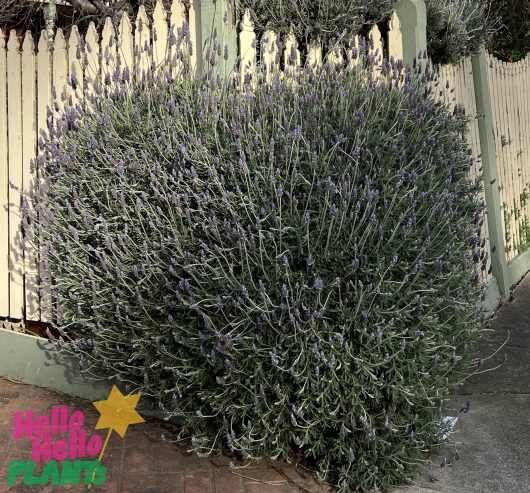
36, 361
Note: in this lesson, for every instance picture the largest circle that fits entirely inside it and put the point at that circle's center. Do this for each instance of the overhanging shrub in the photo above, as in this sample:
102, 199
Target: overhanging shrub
512, 42
291, 271
457, 28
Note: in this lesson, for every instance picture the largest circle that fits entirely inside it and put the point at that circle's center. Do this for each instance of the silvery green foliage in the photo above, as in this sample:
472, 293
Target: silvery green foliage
457, 28
291, 271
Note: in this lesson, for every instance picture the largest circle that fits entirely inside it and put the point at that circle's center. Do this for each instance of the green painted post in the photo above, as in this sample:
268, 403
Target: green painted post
412, 15
489, 163
218, 23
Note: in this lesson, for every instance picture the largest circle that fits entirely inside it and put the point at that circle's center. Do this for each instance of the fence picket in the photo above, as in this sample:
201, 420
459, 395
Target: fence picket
511, 144
160, 35
376, 44
507, 151
519, 122
454, 90
525, 156
353, 53
291, 56
335, 57
395, 38
108, 53
520, 152
457, 93
44, 84
247, 50
92, 69
506, 172
179, 46
142, 46
509, 147
75, 67
515, 125
516, 147
499, 74
60, 68
4, 184
14, 125
29, 152
314, 54
270, 54
125, 45
495, 79
195, 47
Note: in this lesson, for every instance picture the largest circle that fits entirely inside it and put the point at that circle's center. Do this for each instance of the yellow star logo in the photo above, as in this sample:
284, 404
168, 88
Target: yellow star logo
118, 412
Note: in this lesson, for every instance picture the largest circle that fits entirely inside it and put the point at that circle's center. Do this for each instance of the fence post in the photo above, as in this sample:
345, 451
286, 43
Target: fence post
412, 15
218, 23
489, 162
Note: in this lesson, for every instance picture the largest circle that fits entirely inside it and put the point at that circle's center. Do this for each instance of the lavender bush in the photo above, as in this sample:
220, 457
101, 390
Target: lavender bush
291, 271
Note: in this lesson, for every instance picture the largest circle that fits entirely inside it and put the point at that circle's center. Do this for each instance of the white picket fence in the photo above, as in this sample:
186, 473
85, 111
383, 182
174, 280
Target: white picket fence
456, 88
28, 74
510, 88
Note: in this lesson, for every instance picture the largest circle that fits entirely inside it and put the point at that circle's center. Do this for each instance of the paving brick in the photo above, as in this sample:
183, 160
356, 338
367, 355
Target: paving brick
152, 483
268, 488
137, 460
112, 461
27, 489
110, 486
147, 434
170, 458
221, 461
227, 482
259, 474
200, 482
302, 478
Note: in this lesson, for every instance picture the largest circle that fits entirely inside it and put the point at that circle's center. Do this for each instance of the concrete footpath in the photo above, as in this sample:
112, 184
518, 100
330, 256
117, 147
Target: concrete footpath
490, 454
492, 446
